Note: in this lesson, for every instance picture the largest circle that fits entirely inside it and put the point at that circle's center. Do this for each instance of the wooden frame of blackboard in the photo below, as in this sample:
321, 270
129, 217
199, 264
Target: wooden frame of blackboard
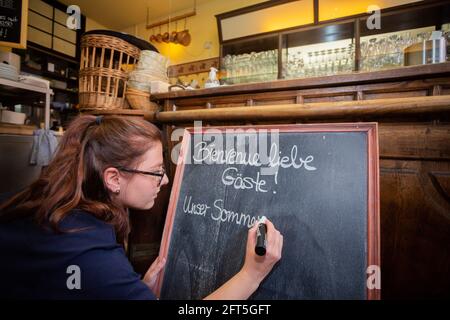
373, 191
23, 29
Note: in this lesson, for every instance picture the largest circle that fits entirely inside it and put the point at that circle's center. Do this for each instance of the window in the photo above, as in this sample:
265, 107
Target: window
47, 27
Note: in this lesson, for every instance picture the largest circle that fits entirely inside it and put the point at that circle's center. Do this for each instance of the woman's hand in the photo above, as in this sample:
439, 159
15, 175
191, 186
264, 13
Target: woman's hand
258, 267
152, 273
255, 269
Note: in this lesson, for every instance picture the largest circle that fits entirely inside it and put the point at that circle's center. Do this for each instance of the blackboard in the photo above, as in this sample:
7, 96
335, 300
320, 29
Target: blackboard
13, 23
323, 198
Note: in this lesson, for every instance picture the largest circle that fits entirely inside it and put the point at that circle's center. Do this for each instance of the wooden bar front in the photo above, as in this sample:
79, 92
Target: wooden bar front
412, 107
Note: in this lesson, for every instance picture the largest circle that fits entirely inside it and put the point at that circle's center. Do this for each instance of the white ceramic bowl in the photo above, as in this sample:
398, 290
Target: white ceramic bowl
148, 56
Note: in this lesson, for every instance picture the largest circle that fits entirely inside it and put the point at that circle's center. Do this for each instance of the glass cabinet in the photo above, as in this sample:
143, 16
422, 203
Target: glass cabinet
334, 47
318, 51
384, 48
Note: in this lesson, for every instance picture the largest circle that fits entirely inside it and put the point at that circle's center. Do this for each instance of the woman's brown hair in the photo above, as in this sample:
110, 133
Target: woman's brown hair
74, 178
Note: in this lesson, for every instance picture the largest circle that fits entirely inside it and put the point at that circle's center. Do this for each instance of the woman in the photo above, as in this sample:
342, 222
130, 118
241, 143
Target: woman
63, 236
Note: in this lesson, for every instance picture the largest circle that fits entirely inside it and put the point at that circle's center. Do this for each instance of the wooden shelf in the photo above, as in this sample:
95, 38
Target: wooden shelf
64, 90
20, 129
395, 107
8, 128
402, 73
51, 52
17, 85
47, 74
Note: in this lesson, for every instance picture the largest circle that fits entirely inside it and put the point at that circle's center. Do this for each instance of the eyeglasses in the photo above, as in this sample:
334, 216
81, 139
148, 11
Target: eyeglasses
159, 174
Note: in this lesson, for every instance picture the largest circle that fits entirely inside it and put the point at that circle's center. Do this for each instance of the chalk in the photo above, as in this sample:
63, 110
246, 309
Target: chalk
261, 237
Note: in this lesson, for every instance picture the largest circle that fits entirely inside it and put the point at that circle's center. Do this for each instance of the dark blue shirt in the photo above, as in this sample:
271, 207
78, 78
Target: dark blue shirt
37, 263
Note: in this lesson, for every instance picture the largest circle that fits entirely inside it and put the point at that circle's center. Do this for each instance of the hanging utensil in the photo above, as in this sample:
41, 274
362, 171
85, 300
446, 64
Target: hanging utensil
159, 35
166, 35
153, 37
184, 37
173, 35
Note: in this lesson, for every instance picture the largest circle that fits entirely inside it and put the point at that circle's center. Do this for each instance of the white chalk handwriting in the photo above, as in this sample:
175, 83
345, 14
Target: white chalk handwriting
218, 212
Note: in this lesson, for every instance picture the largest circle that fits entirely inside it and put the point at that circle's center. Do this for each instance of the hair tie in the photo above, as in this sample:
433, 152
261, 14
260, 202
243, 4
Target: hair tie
98, 120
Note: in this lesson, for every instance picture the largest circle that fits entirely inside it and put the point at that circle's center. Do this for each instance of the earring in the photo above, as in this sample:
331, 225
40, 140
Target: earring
117, 191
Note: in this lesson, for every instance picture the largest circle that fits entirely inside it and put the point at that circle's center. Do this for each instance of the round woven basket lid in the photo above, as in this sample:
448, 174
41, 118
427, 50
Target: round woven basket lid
140, 43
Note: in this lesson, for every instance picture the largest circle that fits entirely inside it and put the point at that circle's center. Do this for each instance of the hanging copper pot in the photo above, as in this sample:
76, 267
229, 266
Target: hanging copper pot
174, 35
166, 37
153, 37
158, 37
184, 37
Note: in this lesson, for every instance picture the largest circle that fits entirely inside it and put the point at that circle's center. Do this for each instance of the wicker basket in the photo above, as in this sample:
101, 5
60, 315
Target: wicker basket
103, 82
140, 100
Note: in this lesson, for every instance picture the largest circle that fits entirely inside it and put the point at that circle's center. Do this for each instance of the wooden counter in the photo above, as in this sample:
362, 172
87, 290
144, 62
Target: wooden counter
355, 78
23, 130
6, 128
412, 107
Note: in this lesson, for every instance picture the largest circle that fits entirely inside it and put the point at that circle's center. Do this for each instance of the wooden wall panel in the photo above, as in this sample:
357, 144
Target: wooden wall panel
335, 98
424, 141
415, 230
401, 94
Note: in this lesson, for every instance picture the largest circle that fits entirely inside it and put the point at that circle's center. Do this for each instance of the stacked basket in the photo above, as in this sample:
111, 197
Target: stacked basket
102, 78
